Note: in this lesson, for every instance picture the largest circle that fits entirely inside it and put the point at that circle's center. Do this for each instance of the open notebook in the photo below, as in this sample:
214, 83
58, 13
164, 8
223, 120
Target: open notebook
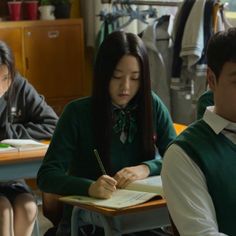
135, 193
8, 145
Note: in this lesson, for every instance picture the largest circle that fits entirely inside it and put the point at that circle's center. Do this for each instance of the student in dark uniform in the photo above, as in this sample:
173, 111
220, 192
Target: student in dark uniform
126, 122
23, 114
198, 172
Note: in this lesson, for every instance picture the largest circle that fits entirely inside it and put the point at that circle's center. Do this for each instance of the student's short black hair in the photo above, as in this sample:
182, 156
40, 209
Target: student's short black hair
221, 49
7, 58
113, 48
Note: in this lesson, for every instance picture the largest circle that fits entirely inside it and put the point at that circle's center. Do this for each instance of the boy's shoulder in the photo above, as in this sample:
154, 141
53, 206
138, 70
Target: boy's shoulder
198, 130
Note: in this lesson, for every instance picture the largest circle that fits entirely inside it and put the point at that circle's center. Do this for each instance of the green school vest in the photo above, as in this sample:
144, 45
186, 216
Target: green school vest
216, 157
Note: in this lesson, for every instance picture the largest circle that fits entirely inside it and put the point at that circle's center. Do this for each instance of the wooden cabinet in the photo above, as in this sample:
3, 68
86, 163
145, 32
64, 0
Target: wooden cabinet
50, 54
12, 36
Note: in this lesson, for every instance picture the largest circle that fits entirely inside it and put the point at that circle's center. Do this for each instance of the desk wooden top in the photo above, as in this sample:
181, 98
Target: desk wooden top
14, 157
152, 204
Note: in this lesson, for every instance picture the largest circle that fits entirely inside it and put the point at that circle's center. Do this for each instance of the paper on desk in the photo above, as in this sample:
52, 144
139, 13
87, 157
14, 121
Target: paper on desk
120, 199
151, 184
7, 149
25, 144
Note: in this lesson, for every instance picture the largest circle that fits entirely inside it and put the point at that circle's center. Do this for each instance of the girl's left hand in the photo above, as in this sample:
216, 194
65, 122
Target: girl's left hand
129, 174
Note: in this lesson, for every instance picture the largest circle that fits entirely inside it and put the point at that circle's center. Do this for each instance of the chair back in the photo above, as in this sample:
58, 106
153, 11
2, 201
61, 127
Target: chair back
52, 207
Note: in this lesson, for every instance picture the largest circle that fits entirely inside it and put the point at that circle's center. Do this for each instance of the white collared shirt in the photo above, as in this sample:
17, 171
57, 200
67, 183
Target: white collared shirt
185, 189
218, 124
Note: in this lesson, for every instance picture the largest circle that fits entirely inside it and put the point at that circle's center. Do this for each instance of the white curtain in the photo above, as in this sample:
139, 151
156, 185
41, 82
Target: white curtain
91, 8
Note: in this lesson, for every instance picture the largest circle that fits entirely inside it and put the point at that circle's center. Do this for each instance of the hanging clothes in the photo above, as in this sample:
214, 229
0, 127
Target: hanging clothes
108, 26
189, 74
193, 38
215, 11
180, 89
120, 17
208, 27
181, 18
159, 44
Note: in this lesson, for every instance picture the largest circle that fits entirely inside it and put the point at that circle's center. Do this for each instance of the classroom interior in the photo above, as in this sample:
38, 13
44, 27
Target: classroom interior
57, 55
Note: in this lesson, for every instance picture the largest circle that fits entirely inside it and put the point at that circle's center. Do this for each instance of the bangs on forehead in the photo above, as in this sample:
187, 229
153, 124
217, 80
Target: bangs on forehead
4, 69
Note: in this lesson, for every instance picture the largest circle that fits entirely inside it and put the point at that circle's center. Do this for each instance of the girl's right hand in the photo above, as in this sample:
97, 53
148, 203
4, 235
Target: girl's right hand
103, 187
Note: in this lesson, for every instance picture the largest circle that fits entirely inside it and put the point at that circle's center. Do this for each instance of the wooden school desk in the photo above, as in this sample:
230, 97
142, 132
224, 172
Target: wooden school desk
150, 215
17, 165
21, 165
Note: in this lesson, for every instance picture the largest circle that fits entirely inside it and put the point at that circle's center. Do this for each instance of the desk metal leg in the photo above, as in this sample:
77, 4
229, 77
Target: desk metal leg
75, 221
122, 224
82, 217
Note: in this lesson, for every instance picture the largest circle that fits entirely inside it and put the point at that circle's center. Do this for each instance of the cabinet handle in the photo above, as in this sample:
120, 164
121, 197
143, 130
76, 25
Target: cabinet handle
53, 34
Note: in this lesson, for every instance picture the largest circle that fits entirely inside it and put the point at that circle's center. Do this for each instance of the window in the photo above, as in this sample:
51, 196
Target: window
230, 10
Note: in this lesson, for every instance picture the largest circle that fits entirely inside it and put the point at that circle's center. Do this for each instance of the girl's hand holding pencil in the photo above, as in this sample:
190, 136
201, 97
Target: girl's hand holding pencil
105, 185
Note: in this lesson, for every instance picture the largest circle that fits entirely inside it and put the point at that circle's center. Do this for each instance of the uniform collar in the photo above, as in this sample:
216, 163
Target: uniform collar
216, 122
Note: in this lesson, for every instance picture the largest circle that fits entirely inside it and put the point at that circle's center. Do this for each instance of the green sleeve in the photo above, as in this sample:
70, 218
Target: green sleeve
165, 133
154, 165
53, 174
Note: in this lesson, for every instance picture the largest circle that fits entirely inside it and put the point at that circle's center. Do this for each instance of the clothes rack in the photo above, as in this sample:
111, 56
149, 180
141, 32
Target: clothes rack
125, 10
155, 3
150, 3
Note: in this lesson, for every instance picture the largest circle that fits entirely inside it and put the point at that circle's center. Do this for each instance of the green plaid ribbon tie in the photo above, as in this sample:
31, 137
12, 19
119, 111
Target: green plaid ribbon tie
125, 123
